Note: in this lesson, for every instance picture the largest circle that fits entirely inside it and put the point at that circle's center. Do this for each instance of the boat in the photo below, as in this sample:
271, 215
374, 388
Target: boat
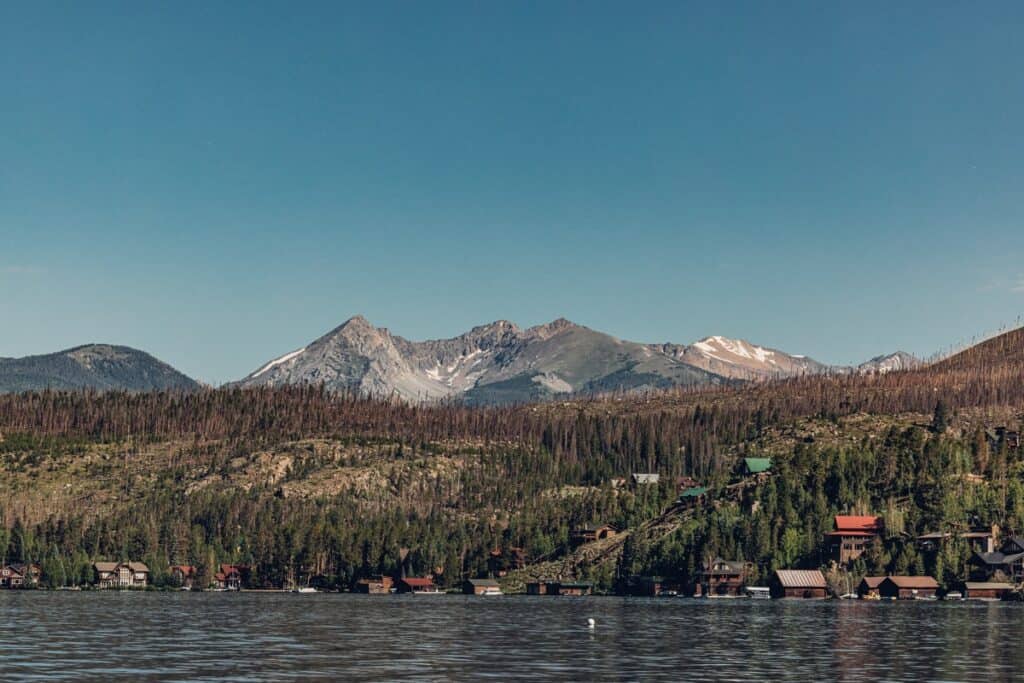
848, 596
757, 592
954, 595
431, 591
304, 589
491, 591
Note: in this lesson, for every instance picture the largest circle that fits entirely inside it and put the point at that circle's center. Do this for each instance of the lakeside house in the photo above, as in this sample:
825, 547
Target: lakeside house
184, 575
375, 585
20, 575
424, 584
481, 587
979, 541
1007, 562
121, 574
591, 534
798, 583
720, 577
868, 586
908, 587
555, 587
988, 590
853, 535
230, 577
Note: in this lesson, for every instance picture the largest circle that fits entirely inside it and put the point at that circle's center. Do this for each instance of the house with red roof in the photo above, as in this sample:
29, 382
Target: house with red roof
417, 585
230, 577
853, 535
183, 575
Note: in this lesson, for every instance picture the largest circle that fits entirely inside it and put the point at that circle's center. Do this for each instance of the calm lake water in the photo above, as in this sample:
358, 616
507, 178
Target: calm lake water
281, 636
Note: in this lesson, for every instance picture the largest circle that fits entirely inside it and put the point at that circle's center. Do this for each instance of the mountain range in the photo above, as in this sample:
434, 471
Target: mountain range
491, 364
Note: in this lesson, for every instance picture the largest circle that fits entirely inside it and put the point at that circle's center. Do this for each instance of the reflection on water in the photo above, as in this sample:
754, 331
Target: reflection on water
281, 636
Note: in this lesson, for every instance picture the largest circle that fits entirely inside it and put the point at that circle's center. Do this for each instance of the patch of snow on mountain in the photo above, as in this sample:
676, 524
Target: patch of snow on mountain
274, 363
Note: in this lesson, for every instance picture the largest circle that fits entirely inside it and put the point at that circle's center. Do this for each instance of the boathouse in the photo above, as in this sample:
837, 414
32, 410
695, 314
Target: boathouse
852, 536
987, 590
539, 587
481, 587
908, 587
375, 585
798, 583
868, 586
575, 588
417, 585
121, 574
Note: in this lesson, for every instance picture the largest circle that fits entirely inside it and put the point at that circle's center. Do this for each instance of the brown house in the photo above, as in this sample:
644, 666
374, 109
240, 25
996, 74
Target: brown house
987, 590
375, 585
591, 534
184, 575
481, 587
722, 577
230, 577
121, 574
908, 587
868, 586
19, 575
798, 583
852, 536
416, 585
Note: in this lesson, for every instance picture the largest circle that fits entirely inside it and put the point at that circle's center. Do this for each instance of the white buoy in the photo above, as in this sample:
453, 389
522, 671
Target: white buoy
591, 623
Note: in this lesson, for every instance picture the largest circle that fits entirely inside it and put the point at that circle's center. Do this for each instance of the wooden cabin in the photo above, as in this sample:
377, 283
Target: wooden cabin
868, 586
184, 575
20, 575
979, 541
798, 583
720, 577
230, 577
908, 587
417, 585
375, 585
988, 590
481, 587
853, 535
121, 574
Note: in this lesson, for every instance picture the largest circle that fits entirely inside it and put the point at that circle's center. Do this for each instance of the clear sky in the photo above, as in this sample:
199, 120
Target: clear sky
219, 183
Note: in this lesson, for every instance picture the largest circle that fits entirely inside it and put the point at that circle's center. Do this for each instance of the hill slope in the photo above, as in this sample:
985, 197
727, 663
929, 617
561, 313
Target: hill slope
93, 366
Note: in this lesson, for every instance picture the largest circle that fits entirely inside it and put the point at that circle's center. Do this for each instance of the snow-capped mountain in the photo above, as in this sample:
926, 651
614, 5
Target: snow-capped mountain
503, 363
740, 359
890, 362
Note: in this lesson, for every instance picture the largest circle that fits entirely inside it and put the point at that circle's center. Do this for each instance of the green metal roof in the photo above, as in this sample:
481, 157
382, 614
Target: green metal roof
694, 492
758, 465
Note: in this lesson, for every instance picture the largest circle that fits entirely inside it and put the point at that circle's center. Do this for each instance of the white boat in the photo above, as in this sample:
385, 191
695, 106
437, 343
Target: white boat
433, 591
304, 589
491, 591
849, 596
757, 592
954, 595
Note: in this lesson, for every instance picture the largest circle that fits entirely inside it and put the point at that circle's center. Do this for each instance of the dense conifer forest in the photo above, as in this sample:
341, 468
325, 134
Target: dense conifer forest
305, 485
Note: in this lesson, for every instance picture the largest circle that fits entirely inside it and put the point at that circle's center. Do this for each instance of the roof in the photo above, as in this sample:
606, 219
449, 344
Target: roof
934, 536
988, 585
862, 523
758, 465
731, 567
486, 583
418, 581
137, 566
694, 492
801, 578
923, 582
105, 566
644, 478
873, 581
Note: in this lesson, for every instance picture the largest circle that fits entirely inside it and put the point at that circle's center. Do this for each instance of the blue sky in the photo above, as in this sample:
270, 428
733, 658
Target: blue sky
219, 183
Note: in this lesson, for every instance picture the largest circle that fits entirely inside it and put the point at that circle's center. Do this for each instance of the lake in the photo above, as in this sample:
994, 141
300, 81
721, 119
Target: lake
282, 636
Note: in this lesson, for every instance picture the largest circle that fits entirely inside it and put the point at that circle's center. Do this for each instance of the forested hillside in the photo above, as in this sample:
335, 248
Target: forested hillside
302, 483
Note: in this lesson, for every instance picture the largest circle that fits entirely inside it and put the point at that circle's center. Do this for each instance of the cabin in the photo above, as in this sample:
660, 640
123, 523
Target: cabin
868, 587
501, 561
184, 575
375, 585
121, 574
230, 577
979, 541
1006, 563
987, 590
20, 575
576, 588
720, 577
591, 534
481, 587
757, 467
645, 479
417, 585
808, 584
852, 536
908, 587
539, 587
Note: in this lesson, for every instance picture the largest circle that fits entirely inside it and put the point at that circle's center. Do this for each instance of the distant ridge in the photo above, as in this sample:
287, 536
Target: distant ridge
92, 366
